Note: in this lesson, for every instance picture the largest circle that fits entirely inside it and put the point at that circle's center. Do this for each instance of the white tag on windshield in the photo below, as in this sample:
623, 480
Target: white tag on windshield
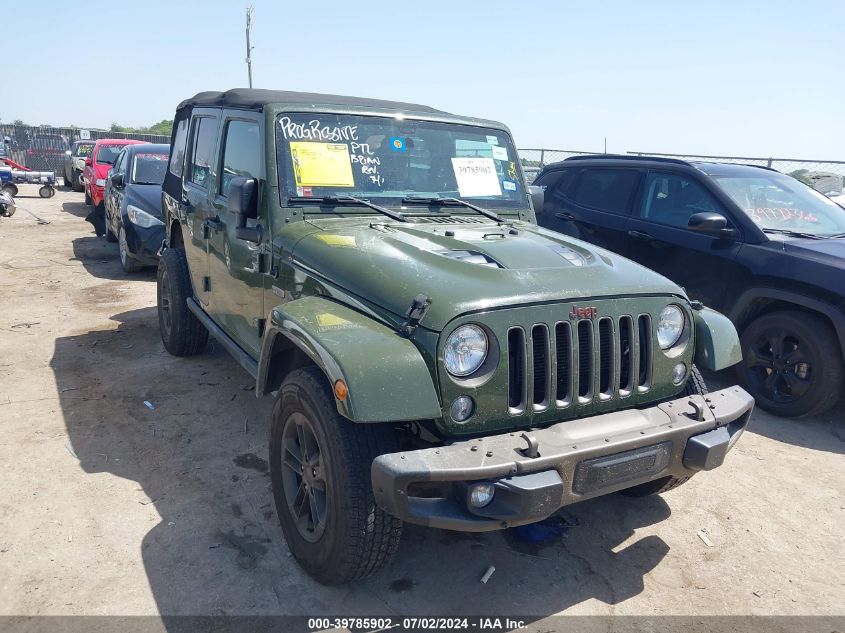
476, 177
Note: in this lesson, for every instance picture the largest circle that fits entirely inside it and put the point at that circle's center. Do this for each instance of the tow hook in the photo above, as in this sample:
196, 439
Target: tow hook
532, 451
697, 411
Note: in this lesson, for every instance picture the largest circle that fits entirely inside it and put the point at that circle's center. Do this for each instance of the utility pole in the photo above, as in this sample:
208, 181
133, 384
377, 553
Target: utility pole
249, 11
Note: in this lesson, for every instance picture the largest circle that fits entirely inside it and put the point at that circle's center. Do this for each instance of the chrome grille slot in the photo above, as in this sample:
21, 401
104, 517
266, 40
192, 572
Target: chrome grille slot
585, 360
542, 366
516, 370
644, 339
563, 356
606, 358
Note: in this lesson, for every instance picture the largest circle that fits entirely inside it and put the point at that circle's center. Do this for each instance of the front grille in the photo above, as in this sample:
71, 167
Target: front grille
578, 362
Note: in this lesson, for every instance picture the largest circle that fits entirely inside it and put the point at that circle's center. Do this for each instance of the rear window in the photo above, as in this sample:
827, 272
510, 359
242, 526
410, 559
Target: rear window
605, 189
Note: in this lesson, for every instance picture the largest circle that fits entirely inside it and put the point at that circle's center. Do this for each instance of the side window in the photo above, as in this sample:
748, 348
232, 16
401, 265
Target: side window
561, 187
241, 153
202, 151
671, 199
120, 162
180, 140
607, 190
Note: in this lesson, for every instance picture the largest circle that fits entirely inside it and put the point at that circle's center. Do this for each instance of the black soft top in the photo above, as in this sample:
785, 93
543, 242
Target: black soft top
254, 98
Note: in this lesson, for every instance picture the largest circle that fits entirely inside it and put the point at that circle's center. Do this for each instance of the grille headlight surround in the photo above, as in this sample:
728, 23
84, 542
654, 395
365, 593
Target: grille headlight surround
670, 326
465, 350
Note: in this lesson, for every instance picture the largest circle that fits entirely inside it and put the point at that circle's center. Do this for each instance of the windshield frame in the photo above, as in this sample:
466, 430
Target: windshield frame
288, 190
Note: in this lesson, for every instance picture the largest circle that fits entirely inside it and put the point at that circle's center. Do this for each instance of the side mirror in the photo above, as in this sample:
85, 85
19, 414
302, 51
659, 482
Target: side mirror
710, 223
88, 162
242, 202
538, 197
67, 152
116, 179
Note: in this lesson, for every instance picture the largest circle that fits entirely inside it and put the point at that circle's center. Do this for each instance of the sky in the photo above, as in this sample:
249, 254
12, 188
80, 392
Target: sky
743, 78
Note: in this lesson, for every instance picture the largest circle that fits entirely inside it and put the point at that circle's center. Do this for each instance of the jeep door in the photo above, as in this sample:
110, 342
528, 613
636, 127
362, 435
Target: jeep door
590, 203
235, 265
195, 207
660, 239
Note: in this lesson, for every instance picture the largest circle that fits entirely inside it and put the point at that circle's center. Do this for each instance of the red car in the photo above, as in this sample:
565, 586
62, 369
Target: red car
97, 166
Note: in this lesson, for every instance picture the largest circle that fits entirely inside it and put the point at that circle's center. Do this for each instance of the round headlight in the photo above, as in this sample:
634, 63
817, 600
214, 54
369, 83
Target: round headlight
670, 326
465, 351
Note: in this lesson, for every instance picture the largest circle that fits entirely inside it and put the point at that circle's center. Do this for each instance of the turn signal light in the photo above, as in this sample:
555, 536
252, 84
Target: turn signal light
340, 390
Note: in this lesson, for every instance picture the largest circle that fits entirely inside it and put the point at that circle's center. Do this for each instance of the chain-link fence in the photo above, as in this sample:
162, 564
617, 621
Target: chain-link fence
43, 148
826, 176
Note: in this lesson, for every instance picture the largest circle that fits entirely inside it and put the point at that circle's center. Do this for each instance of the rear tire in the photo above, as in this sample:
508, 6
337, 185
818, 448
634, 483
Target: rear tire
778, 349
351, 537
181, 332
695, 386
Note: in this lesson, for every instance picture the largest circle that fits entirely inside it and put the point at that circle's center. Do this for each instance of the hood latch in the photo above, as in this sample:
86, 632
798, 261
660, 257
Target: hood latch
415, 314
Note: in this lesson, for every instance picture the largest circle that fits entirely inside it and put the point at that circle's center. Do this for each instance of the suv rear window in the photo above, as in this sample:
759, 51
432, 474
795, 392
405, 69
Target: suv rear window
605, 189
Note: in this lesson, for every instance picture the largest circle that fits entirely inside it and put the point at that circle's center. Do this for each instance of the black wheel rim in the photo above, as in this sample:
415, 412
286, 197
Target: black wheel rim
304, 477
779, 366
164, 301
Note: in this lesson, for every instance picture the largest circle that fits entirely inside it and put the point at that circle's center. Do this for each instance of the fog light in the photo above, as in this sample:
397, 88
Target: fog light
462, 408
679, 372
481, 494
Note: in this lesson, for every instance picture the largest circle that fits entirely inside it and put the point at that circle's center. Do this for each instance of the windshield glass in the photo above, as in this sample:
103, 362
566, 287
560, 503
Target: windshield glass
776, 201
387, 159
83, 149
148, 169
107, 153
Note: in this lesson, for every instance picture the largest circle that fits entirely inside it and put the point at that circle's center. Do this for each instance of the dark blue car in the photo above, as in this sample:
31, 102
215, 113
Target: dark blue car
133, 204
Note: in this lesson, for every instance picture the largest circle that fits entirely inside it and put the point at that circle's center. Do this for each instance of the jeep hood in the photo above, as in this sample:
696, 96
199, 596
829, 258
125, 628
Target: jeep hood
466, 268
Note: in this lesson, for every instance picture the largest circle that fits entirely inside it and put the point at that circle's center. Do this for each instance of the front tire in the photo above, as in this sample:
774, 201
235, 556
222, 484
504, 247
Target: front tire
695, 386
181, 332
320, 468
127, 262
791, 363
88, 200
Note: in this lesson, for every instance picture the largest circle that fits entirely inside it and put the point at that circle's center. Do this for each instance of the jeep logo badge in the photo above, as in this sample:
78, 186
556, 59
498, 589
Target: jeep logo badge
583, 313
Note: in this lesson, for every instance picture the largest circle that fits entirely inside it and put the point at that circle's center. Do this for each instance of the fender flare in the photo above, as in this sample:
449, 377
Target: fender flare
716, 340
834, 315
386, 376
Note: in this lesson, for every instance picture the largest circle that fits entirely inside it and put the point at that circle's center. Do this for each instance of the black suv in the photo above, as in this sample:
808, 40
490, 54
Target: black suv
748, 241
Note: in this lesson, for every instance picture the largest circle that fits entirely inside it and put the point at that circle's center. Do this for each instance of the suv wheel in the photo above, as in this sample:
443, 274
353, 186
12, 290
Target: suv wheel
181, 332
791, 363
695, 387
320, 469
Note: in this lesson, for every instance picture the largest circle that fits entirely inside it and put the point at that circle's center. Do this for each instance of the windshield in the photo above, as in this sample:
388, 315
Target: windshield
775, 201
107, 153
83, 149
148, 169
388, 159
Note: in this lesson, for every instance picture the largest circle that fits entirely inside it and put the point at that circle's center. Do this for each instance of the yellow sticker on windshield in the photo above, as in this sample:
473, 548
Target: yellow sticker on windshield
321, 165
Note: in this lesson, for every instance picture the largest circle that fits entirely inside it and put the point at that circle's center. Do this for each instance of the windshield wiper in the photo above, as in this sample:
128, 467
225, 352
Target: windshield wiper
835, 236
791, 233
456, 201
396, 215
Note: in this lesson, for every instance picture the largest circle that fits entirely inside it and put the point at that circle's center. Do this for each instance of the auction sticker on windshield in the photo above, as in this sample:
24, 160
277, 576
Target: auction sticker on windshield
476, 177
321, 164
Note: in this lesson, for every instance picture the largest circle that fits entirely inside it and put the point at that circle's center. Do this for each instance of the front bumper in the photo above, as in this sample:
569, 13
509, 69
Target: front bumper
143, 243
536, 472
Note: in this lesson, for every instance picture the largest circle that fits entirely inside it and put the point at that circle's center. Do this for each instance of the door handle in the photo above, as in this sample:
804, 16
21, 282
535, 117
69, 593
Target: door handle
563, 215
639, 235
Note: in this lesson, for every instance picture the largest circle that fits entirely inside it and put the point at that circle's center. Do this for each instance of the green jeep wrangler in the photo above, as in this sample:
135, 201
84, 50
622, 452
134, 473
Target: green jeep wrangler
435, 356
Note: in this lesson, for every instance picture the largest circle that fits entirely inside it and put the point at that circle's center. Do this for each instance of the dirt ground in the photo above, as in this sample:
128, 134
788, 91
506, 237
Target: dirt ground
110, 507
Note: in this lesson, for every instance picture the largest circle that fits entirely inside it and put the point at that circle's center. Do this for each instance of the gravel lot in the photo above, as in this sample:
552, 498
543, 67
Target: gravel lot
110, 507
